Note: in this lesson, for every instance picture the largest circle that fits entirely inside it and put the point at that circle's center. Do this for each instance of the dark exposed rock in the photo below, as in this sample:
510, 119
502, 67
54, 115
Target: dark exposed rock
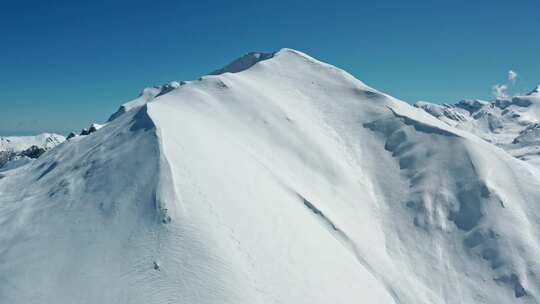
87, 131
71, 135
119, 112
33, 152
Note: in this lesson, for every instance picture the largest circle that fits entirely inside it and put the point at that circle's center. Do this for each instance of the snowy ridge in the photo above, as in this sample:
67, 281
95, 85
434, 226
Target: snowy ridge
101, 198
146, 95
243, 63
287, 181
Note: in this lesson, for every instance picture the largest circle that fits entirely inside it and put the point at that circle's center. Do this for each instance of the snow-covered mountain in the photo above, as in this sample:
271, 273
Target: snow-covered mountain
18, 150
281, 179
512, 124
20, 143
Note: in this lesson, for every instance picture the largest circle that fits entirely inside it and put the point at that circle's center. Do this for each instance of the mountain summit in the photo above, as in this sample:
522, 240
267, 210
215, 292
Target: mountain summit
243, 63
280, 179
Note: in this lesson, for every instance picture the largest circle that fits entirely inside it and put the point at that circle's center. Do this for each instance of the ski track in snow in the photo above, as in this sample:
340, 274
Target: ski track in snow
343, 238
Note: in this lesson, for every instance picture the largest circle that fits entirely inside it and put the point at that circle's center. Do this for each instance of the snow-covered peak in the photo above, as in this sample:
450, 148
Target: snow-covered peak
286, 60
358, 196
284, 55
243, 63
471, 105
147, 95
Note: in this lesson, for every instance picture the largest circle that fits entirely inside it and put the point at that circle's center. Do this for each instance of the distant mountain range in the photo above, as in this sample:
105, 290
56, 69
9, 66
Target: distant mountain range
512, 124
19, 150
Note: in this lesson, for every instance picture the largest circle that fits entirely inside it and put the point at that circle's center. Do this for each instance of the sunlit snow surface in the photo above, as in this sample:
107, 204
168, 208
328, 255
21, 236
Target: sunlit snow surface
287, 182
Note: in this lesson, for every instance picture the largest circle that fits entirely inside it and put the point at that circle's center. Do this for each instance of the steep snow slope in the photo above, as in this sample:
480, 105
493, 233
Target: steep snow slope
286, 182
79, 223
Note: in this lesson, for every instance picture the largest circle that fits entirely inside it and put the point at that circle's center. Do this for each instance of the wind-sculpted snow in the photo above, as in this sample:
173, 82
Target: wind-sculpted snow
462, 193
81, 223
285, 181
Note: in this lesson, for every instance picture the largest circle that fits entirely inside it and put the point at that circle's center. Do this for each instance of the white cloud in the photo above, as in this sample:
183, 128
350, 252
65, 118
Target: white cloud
512, 76
499, 91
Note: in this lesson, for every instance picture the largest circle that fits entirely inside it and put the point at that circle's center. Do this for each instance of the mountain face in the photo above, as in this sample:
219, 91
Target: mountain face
18, 150
512, 124
279, 179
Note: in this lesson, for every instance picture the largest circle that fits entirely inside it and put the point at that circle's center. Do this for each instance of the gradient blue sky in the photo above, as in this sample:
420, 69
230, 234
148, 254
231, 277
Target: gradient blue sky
65, 64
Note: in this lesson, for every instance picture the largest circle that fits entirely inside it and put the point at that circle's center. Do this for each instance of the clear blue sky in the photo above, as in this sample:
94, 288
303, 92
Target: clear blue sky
65, 64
